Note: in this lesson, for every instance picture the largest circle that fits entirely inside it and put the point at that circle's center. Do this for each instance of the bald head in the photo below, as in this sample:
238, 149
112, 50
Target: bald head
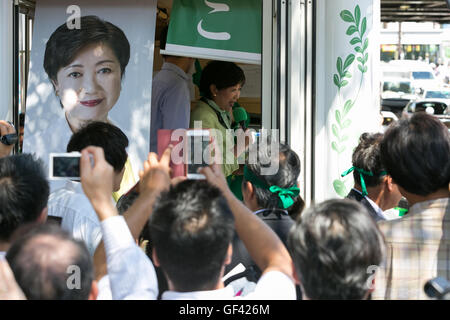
49, 264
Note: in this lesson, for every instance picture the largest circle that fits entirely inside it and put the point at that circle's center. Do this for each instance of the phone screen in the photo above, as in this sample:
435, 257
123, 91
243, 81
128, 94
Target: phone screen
197, 154
66, 167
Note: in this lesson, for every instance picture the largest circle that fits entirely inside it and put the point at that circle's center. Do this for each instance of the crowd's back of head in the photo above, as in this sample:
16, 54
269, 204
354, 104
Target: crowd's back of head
24, 192
286, 176
366, 156
191, 229
416, 153
49, 264
333, 245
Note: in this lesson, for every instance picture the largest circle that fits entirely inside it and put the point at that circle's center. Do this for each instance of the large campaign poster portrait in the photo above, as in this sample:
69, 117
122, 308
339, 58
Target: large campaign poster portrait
96, 68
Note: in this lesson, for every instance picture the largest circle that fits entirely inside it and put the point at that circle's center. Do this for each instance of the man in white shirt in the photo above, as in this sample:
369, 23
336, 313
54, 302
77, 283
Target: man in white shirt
374, 188
24, 194
69, 203
129, 268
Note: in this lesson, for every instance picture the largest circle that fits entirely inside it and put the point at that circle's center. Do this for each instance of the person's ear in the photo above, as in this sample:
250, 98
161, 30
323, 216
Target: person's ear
247, 190
94, 291
155, 258
42, 218
389, 183
213, 90
55, 87
229, 255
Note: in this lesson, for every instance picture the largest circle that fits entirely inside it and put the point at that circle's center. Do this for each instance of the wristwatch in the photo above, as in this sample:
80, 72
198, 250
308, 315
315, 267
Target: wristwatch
11, 138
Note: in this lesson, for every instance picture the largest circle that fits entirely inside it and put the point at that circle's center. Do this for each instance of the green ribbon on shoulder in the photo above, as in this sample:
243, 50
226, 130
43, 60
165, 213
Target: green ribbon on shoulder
286, 195
361, 175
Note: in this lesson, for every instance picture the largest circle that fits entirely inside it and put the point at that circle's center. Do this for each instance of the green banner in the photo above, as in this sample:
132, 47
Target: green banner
221, 30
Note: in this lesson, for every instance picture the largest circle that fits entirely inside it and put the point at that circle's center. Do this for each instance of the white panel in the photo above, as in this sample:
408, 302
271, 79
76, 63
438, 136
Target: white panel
6, 59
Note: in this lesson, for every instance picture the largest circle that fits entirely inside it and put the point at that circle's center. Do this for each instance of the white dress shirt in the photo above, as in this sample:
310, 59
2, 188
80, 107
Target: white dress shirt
132, 275
78, 216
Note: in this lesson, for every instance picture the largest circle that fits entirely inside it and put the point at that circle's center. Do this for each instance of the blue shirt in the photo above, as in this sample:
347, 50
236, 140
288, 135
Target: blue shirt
171, 105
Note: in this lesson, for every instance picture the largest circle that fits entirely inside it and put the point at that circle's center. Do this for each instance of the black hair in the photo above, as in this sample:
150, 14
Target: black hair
107, 136
64, 44
366, 156
190, 230
24, 192
286, 176
333, 244
416, 154
222, 74
46, 263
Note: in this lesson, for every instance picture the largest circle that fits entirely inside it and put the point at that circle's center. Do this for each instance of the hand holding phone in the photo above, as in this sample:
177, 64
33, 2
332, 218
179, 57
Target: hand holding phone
198, 142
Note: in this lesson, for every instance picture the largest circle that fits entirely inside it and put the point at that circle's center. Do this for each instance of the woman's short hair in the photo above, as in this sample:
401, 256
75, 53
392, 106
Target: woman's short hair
64, 44
222, 74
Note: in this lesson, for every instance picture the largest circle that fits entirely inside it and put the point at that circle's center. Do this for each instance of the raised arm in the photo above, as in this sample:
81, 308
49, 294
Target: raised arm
262, 243
138, 281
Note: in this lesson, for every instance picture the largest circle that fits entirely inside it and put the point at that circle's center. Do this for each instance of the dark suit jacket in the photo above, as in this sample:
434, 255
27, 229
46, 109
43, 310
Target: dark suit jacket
279, 221
355, 195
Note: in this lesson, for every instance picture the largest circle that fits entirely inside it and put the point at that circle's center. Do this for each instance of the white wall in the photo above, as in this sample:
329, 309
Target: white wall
333, 42
6, 59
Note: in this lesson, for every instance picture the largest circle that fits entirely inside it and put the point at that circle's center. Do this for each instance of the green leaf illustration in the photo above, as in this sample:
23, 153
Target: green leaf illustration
363, 26
336, 80
347, 16
338, 117
366, 57
340, 188
344, 83
339, 65
347, 106
351, 30
335, 131
349, 61
361, 60
347, 75
360, 67
366, 44
358, 49
355, 41
365, 69
334, 146
346, 124
343, 139
357, 15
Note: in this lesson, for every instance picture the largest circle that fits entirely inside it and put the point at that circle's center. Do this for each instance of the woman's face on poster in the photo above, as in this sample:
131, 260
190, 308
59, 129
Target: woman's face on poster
90, 85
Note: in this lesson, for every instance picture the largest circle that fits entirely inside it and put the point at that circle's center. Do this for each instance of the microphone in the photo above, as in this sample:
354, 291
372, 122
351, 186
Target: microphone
240, 116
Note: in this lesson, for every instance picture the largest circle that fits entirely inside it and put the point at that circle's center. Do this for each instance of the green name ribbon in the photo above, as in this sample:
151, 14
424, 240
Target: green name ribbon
361, 175
286, 195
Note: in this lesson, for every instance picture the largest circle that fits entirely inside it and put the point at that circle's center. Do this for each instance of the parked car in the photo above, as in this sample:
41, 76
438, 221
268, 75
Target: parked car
420, 73
438, 95
437, 107
396, 94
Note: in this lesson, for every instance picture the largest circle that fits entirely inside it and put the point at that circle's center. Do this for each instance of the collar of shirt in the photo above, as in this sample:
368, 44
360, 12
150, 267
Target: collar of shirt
374, 206
2, 255
176, 69
219, 294
262, 210
223, 113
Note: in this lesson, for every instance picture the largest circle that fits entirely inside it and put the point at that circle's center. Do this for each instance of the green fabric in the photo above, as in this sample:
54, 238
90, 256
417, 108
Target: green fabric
361, 173
235, 184
286, 195
204, 113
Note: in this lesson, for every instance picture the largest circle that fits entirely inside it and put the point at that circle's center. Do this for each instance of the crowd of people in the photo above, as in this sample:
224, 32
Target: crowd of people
175, 239
240, 233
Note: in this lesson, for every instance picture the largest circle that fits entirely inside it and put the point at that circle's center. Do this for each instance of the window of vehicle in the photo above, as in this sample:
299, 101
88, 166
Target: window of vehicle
422, 75
438, 94
404, 87
438, 107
